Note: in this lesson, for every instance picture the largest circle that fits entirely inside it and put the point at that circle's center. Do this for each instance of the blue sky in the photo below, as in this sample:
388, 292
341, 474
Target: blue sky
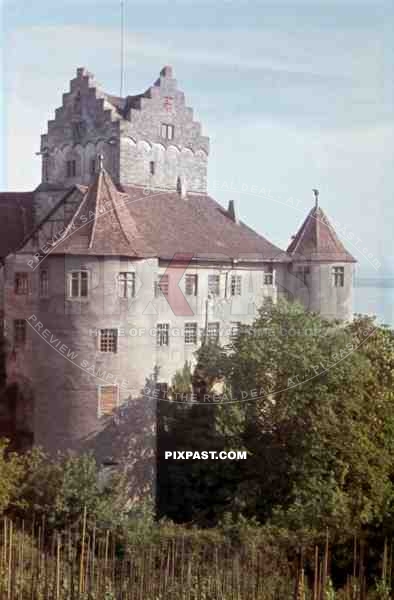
294, 95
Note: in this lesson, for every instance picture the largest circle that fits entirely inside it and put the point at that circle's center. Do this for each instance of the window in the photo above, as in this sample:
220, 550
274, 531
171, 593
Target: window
93, 166
190, 333
213, 332
302, 273
126, 285
338, 276
71, 168
191, 284
78, 284
44, 283
213, 285
108, 340
269, 275
234, 330
19, 332
268, 303
152, 167
22, 284
161, 286
108, 399
167, 131
162, 334
236, 285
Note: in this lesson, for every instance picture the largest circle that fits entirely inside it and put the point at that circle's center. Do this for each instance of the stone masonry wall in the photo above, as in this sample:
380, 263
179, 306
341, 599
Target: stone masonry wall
84, 126
131, 139
185, 156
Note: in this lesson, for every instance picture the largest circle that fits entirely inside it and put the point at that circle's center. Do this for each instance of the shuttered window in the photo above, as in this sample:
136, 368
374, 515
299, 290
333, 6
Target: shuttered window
108, 399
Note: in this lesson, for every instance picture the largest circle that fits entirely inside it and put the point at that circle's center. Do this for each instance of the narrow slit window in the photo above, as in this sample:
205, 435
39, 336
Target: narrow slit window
44, 283
19, 332
71, 167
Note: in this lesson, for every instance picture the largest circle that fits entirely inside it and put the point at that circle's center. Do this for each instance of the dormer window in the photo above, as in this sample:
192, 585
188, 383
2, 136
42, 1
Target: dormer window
71, 167
167, 131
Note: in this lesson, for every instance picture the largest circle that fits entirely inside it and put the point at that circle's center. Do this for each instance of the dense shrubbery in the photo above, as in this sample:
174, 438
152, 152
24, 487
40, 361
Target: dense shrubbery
318, 427
319, 435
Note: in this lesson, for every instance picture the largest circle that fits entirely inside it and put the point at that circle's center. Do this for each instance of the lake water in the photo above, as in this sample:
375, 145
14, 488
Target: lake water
375, 298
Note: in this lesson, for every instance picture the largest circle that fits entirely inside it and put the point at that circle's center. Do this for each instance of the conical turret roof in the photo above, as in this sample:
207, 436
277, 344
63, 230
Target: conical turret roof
317, 240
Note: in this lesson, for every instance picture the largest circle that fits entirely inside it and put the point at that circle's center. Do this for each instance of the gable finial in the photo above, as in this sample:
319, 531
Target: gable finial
316, 194
101, 162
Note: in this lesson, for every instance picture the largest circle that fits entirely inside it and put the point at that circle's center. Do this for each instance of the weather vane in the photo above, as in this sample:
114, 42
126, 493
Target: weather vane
316, 194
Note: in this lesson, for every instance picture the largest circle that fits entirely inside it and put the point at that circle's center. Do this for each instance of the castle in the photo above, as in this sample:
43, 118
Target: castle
119, 263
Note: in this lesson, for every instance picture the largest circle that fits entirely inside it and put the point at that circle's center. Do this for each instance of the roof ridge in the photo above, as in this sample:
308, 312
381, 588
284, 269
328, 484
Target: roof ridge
74, 216
115, 209
301, 232
97, 194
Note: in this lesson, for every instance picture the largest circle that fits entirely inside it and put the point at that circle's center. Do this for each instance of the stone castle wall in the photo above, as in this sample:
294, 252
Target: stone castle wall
130, 137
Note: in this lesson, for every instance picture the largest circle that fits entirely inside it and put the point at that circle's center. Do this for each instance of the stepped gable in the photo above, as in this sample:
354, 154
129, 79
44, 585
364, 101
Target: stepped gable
107, 113
162, 98
316, 240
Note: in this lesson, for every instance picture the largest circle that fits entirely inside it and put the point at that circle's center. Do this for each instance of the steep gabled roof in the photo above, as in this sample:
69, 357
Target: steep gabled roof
102, 224
16, 219
316, 240
195, 224
104, 220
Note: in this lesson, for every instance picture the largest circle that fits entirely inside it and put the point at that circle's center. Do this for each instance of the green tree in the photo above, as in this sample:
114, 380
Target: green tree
11, 473
58, 489
319, 427
197, 490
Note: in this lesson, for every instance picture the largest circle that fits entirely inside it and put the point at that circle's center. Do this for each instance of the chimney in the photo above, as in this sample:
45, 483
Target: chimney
231, 211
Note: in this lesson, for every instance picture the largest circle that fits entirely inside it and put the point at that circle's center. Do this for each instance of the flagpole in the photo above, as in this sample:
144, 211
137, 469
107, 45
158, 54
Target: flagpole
122, 45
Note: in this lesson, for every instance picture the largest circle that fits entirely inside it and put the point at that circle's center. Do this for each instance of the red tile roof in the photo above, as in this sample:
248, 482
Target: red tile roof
16, 219
102, 224
316, 240
195, 224
136, 222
